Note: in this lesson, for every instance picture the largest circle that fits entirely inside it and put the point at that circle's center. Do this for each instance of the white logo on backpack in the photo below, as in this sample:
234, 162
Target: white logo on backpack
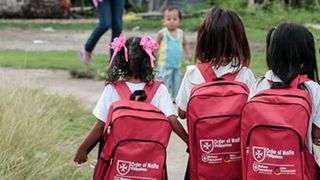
123, 167
259, 153
206, 145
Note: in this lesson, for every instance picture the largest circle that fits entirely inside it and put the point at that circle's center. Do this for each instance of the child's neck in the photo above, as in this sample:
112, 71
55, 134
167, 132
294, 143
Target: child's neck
173, 32
134, 80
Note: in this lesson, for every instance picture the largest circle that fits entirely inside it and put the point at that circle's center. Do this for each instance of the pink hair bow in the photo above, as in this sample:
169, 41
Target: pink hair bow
96, 2
117, 45
149, 45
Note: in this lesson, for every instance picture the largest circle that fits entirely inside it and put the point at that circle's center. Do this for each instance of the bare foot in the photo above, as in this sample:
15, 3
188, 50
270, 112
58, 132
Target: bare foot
85, 57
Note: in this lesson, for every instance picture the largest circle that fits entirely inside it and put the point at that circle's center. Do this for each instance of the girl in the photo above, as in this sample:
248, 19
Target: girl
172, 42
222, 42
290, 52
133, 60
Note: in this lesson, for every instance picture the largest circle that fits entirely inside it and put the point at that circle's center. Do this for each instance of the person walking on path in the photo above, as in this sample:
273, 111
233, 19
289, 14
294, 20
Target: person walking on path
110, 15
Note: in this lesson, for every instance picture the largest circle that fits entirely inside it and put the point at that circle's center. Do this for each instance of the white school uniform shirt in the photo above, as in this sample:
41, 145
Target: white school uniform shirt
161, 99
193, 77
314, 91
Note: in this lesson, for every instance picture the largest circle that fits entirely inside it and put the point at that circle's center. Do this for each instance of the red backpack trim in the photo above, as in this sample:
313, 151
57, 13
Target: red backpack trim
124, 92
209, 75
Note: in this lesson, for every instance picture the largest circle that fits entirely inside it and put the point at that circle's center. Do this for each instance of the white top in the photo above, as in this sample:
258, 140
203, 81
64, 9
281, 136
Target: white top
161, 99
313, 88
193, 77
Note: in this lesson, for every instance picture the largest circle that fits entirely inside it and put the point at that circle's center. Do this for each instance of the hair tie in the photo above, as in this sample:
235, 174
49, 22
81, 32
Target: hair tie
149, 45
116, 45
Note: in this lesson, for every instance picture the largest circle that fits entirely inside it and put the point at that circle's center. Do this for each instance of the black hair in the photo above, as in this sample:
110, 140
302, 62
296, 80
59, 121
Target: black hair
290, 52
138, 64
173, 8
222, 39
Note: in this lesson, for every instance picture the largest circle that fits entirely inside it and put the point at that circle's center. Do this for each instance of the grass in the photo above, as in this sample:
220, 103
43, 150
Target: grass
39, 141
67, 60
56, 26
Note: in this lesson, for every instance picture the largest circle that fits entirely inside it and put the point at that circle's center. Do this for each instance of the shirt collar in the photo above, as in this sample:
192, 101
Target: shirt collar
272, 77
222, 70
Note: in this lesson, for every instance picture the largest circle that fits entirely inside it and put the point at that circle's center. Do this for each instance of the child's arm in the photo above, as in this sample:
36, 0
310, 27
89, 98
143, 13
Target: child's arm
178, 128
159, 36
315, 135
181, 113
94, 136
186, 47
159, 39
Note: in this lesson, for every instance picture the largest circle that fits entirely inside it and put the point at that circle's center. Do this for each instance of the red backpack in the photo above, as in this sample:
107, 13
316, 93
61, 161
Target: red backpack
274, 126
136, 137
213, 119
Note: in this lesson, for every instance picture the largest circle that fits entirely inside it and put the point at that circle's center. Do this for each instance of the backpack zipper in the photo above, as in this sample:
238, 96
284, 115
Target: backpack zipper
207, 117
108, 131
275, 127
222, 84
143, 110
139, 140
283, 95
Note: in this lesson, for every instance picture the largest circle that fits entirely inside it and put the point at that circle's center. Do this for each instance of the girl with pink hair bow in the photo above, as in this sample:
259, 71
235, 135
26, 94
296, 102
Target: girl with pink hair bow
132, 61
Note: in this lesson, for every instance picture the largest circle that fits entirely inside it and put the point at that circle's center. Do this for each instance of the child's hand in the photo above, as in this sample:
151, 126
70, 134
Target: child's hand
81, 156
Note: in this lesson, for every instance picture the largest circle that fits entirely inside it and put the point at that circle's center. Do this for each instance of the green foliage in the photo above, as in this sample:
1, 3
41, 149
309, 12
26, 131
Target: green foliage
232, 4
37, 134
90, 72
258, 64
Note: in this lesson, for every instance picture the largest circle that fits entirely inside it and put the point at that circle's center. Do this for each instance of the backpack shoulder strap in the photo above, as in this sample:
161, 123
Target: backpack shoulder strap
298, 81
122, 89
230, 76
206, 71
151, 89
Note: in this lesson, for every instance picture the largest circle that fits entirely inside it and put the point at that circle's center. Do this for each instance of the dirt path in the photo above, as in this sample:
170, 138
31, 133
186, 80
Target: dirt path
49, 39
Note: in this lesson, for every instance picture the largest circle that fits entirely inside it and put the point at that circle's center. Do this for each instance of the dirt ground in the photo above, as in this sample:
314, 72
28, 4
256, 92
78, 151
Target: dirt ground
59, 82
